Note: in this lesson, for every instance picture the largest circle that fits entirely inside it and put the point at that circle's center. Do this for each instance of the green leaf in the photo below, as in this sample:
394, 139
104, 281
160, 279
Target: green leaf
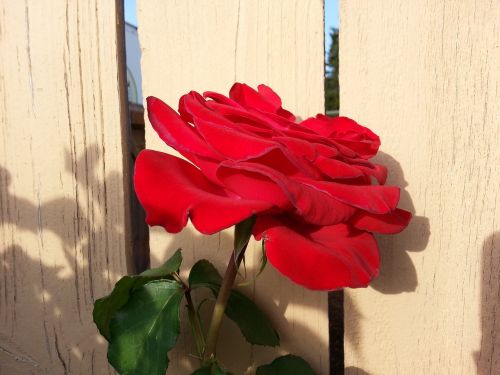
106, 307
146, 328
253, 323
212, 369
286, 365
169, 267
204, 274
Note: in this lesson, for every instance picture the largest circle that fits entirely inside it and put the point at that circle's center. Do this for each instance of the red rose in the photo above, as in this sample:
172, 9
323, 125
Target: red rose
309, 183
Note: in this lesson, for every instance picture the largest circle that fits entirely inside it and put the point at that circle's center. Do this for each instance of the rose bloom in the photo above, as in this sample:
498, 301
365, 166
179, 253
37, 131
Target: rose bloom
308, 183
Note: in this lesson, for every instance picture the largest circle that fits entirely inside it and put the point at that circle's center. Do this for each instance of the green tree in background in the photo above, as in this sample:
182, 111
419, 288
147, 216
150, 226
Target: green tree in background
332, 74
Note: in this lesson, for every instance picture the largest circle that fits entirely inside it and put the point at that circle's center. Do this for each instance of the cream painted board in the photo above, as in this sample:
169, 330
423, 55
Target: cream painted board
63, 237
425, 75
208, 45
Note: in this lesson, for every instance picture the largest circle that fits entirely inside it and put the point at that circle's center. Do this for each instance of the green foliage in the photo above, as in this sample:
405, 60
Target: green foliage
286, 365
332, 74
146, 328
253, 323
106, 307
169, 267
204, 274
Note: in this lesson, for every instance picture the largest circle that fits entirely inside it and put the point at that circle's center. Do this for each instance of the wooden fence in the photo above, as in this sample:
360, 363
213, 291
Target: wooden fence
424, 75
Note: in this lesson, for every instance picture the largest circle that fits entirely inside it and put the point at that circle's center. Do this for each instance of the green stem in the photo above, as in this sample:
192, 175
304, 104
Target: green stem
221, 303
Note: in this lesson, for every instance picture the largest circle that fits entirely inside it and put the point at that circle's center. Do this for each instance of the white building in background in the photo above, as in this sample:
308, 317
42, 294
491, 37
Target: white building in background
133, 50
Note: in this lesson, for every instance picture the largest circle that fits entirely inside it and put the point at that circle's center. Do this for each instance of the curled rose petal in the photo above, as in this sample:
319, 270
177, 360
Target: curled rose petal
242, 115
228, 141
372, 198
174, 130
254, 181
171, 190
390, 223
336, 169
193, 106
264, 100
319, 258
346, 132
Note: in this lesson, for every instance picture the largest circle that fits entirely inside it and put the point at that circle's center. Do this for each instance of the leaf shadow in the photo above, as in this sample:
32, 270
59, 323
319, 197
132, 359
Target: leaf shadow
57, 256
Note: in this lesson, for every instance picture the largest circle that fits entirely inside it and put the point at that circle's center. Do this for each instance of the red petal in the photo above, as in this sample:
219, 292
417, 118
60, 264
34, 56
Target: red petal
346, 132
336, 169
233, 143
171, 190
222, 99
174, 131
376, 170
274, 98
372, 198
391, 223
270, 95
241, 115
298, 147
250, 184
194, 106
249, 98
319, 258
255, 181
319, 125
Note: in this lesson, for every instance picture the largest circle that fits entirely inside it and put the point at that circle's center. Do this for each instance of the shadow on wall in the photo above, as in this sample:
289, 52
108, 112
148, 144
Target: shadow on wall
47, 292
488, 356
397, 272
48, 289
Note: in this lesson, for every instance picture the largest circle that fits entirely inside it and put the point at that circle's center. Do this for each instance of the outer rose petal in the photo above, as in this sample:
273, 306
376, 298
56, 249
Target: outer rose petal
249, 98
372, 198
174, 131
346, 132
378, 171
271, 96
222, 99
336, 169
390, 223
171, 190
255, 181
193, 106
319, 258
233, 143
239, 115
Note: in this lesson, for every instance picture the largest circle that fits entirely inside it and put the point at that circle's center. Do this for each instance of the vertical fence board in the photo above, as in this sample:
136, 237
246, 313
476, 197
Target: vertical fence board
426, 77
63, 191
193, 45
